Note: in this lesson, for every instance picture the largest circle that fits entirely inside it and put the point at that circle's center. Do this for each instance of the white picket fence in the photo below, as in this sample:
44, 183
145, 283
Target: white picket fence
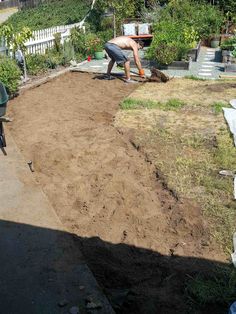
44, 39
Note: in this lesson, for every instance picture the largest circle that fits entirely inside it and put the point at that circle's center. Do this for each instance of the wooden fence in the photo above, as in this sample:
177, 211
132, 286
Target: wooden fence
9, 4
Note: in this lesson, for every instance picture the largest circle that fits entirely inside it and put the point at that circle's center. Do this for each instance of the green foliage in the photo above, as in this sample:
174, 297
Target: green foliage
87, 43
57, 42
9, 74
217, 107
202, 19
93, 44
218, 289
178, 27
20, 38
228, 6
78, 40
169, 42
229, 44
6, 31
105, 35
122, 9
15, 39
36, 64
172, 104
50, 13
194, 78
53, 59
68, 52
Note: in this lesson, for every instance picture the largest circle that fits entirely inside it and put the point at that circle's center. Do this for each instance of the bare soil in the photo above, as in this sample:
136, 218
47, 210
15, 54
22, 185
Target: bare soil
141, 241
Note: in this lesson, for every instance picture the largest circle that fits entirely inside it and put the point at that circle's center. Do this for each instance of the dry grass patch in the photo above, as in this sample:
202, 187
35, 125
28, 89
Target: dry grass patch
189, 143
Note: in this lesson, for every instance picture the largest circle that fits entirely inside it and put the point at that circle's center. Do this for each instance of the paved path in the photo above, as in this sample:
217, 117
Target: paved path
40, 263
208, 66
6, 13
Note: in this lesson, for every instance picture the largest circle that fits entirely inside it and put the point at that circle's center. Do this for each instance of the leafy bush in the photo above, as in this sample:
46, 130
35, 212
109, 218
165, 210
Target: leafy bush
36, 64
204, 19
169, 42
178, 27
9, 74
78, 40
53, 59
105, 35
219, 289
229, 44
68, 52
87, 43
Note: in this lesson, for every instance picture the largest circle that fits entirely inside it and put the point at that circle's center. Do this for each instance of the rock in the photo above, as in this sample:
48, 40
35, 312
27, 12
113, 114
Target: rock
117, 297
93, 305
63, 303
74, 310
73, 63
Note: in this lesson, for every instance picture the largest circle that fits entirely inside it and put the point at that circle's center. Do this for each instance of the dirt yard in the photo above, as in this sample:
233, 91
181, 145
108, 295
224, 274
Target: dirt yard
141, 240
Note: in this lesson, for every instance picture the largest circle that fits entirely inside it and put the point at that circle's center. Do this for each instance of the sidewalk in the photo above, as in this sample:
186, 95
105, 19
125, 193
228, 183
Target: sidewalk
208, 66
6, 13
42, 270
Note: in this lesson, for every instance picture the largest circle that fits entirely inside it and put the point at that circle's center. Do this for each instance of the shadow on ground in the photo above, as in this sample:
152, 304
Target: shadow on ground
35, 276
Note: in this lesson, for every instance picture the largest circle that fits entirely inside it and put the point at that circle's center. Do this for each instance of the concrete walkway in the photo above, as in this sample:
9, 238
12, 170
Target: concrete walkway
208, 66
6, 13
42, 270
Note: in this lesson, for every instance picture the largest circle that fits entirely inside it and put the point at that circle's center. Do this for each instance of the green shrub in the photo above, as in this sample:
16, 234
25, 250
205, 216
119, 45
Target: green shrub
204, 19
219, 289
53, 59
169, 42
68, 52
87, 43
105, 35
9, 74
229, 44
36, 64
78, 40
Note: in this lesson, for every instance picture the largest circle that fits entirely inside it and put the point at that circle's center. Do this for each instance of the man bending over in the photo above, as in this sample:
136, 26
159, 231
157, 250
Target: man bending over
114, 49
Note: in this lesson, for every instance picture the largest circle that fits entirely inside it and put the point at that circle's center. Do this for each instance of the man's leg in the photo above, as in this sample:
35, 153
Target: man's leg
127, 69
110, 66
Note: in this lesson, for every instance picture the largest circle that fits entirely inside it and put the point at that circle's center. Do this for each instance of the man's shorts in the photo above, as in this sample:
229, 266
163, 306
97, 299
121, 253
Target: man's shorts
116, 53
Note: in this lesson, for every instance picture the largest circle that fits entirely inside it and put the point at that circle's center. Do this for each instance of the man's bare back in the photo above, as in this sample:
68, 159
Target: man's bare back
124, 42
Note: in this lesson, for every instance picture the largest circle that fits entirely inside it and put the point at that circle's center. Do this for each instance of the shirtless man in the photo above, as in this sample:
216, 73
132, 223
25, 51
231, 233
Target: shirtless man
114, 49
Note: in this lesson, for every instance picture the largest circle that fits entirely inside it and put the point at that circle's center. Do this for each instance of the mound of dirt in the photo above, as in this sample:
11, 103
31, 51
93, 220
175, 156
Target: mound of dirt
131, 228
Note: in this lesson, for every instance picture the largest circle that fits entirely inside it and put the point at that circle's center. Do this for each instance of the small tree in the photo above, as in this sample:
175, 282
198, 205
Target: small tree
16, 41
121, 9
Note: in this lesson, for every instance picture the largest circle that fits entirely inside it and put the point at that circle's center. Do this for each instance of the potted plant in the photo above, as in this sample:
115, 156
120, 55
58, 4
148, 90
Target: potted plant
95, 47
215, 40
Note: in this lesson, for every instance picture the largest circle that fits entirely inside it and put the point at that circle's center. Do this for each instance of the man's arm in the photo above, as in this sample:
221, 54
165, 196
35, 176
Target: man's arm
136, 58
137, 61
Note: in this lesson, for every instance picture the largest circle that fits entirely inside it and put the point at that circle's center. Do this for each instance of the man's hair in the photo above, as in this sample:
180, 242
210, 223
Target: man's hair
141, 43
